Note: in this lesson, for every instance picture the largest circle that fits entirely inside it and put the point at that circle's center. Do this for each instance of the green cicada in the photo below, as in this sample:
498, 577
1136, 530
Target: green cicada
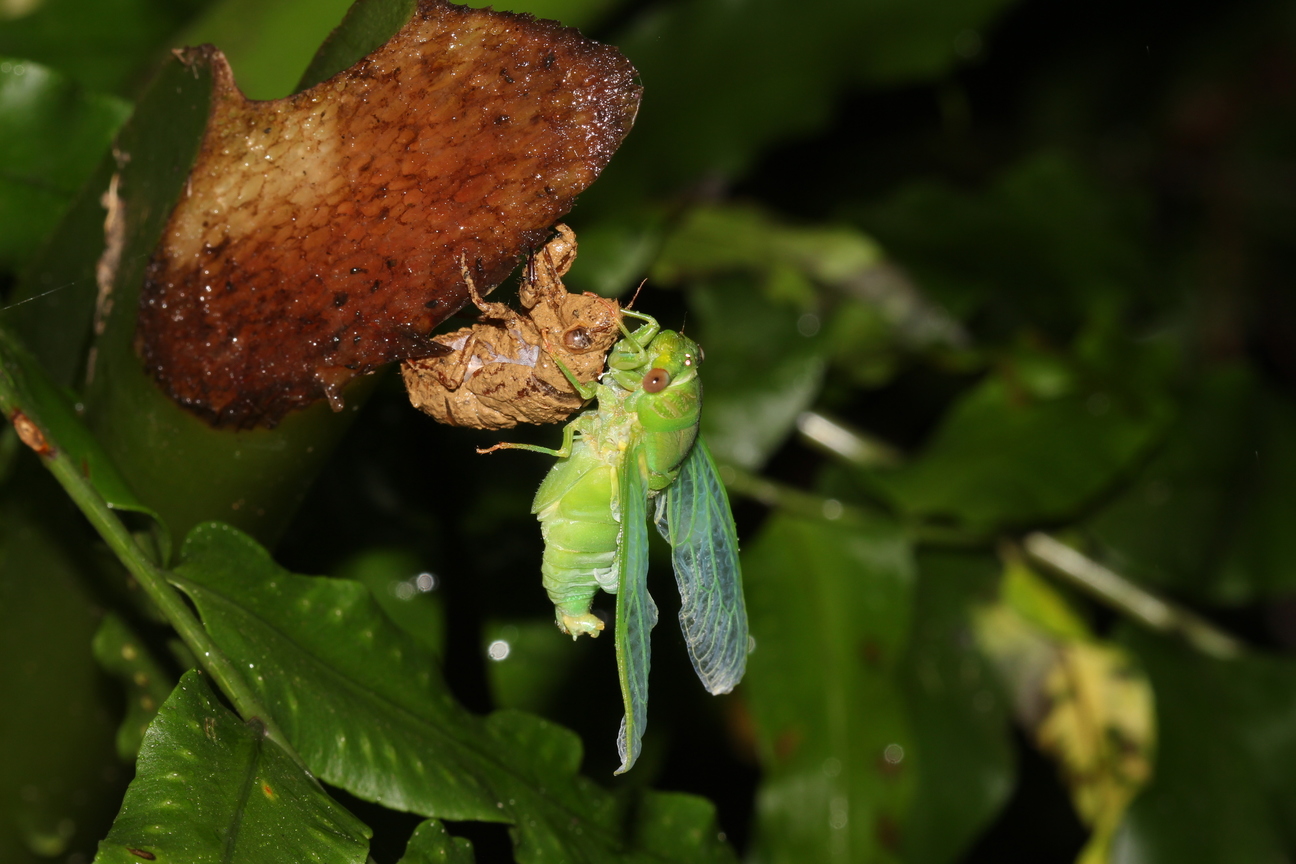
641, 443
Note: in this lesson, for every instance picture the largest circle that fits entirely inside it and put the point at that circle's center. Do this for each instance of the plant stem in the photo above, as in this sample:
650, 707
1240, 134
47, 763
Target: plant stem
789, 499
1129, 599
155, 583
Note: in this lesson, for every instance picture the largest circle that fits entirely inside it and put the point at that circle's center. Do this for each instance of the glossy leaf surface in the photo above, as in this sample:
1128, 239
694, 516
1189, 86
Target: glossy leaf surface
432, 844
210, 788
52, 136
364, 705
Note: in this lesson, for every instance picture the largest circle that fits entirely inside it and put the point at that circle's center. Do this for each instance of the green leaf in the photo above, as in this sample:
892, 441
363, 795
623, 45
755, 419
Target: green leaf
752, 401
1086, 703
100, 44
405, 590
209, 787
782, 72
1004, 455
364, 705
269, 42
829, 277
60, 780
1223, 790
688, 52
1043, 244
52, 135
120, 651
432, 844
366, 28
717, 239
25, 389
835, 743
529, 667
1210, 514
672, 826
957, 713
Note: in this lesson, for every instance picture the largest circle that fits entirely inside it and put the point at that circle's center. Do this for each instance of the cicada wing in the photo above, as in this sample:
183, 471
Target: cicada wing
693, 515
636, 614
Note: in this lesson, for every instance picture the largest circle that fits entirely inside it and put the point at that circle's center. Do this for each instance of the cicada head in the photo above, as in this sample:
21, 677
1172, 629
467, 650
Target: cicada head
672, 360
668, 393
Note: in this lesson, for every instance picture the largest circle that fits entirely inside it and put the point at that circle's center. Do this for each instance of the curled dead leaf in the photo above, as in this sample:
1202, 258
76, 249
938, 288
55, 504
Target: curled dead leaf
320, 235
502, 371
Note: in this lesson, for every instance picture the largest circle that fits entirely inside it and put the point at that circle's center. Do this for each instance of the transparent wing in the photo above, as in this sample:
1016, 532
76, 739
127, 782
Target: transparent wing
636, 614
693, 515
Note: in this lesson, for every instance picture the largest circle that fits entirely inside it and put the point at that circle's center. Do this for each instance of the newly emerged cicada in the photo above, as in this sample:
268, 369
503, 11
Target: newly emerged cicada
641, 444
504, 370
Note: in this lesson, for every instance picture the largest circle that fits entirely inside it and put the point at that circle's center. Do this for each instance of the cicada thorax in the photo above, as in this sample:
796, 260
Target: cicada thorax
502, 371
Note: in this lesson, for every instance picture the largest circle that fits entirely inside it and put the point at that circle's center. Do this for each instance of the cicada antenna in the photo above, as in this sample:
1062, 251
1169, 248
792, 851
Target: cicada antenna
630, 305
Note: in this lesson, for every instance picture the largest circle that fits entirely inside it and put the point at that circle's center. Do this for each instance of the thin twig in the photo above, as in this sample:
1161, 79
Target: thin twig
789, 499
1132, 600
845, 442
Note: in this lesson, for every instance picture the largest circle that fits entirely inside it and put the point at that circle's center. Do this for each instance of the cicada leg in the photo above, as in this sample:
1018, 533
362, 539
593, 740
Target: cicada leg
546, 267
569, 435
453, 372
575, 625
499, 311
630, 353
585, 391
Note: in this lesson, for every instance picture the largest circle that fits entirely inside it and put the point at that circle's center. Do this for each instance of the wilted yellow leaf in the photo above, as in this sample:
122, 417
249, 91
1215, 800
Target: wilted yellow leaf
1084, 701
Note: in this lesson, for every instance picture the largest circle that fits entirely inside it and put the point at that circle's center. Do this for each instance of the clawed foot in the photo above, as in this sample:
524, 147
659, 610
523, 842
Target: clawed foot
575, 625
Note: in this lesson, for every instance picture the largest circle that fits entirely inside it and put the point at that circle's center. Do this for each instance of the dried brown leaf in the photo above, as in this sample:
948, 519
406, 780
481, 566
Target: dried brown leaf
321, 234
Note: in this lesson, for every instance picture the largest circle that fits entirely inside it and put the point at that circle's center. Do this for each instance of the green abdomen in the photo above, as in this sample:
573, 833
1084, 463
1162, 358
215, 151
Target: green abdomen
574, 505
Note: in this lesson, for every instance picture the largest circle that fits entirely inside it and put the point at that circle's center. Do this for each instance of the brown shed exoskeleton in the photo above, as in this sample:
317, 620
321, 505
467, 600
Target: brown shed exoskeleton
501, 371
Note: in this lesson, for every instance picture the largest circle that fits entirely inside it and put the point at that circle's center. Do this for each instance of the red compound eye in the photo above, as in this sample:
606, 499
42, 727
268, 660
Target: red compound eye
656, 381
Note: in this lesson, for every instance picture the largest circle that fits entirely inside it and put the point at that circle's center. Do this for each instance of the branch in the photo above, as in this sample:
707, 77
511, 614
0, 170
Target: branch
155, 581
1124, 596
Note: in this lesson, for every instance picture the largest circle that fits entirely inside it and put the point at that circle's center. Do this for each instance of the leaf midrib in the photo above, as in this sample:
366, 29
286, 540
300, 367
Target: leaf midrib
249, 777
612, 843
